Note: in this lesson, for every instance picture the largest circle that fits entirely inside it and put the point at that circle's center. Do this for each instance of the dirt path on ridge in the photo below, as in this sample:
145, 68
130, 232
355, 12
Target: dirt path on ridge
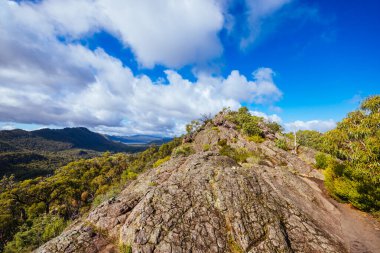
360, 230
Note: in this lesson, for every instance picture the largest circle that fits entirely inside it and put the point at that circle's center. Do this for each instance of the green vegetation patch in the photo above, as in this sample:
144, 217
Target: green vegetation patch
161, 161
321, 160
240, 155
282, 144
356, 142
184, 150
125, 248
206, 147
34, 233
256, 139
70, 192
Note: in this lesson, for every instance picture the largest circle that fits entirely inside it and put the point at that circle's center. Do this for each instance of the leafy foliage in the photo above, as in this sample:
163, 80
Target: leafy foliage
256, 139
282, 144
246, 122
321, 160
161, 161
240, 155
310, 138
184, 150
250, 125
356, 141
206, 147
34, 233
274, 126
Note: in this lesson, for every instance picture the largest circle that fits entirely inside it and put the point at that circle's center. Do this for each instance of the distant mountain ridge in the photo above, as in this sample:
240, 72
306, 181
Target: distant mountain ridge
28, 154
59, 139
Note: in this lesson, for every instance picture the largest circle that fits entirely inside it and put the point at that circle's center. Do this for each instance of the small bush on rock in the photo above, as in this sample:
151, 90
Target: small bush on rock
321, 160
256, 139
184, 150
206, 147
161, 161
281, 143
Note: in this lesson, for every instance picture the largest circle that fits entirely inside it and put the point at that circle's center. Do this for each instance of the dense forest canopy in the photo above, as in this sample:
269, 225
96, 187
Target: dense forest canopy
27, 205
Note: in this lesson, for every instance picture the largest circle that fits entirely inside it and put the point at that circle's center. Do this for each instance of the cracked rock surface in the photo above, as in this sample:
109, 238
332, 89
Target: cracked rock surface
208, 203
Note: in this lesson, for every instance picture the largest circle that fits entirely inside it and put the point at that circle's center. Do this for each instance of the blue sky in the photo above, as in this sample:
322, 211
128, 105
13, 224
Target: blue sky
125, 67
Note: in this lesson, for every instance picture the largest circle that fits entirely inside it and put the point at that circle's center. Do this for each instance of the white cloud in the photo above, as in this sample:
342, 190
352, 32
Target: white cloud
318, 125
46, 81
167, 32
272, 117
172, 33
7, 126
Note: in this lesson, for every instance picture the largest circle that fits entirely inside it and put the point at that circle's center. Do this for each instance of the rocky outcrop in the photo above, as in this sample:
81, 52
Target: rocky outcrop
209, 203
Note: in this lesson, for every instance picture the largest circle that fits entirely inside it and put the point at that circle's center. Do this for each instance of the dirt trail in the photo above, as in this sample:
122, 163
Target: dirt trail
360, 230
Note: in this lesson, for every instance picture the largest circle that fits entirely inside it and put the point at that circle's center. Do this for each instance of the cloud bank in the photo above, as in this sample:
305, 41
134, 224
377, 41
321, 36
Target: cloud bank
44, 80
318, 125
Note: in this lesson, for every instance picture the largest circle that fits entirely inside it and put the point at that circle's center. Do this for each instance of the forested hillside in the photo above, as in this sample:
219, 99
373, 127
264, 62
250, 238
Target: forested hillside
35, 210
38, 153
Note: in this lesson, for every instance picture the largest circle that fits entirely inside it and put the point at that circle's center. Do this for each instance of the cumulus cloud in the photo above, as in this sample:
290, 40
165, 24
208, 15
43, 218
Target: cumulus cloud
318, 125
46, 81
167, 32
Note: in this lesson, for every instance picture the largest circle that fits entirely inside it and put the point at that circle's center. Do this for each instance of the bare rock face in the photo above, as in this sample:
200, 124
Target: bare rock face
208, 203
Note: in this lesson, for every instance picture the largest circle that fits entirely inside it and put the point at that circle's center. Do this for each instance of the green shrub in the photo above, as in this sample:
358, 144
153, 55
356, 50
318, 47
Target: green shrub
310, 138
125, 248
184, 150
321, 160
256, 139
274, 126
152, 184
32, 235
110, 193
240, 155
222, 142
248, 123
161, 161
342, 184
281, 143
206, 147
215, 128
251, 128
128, 175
